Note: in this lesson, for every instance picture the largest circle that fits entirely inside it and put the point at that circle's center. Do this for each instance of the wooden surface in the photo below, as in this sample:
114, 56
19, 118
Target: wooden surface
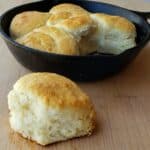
122, 102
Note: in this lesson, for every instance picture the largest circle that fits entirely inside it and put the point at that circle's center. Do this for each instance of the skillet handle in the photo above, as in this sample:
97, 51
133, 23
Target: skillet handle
145, 15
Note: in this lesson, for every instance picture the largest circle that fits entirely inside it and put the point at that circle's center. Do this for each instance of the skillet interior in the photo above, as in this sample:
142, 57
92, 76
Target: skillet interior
75, 67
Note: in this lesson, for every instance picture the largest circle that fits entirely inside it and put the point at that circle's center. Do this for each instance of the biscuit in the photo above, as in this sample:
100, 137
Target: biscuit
50, 39
47, 108
115, 34
26, 21
75, 20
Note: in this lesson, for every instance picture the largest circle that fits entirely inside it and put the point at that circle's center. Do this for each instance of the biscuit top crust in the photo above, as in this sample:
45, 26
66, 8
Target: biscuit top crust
26, 21
53, 90
68, 8
115, 22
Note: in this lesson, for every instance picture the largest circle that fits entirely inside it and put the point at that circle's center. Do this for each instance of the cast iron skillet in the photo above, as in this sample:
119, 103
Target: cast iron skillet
81, 68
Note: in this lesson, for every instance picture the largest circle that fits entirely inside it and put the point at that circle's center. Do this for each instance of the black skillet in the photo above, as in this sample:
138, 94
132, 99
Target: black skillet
81, 68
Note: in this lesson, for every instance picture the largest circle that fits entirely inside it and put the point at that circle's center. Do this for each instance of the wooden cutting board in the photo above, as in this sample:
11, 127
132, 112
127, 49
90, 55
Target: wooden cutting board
122, 102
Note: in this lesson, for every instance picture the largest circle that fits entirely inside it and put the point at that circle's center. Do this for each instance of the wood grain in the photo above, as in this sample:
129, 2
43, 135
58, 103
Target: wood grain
122, 102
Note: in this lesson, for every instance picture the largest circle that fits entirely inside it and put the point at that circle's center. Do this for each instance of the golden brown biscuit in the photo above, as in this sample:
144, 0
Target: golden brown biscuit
75, 20
51, 39
26, 21
47, 108
72, 18
115, 34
